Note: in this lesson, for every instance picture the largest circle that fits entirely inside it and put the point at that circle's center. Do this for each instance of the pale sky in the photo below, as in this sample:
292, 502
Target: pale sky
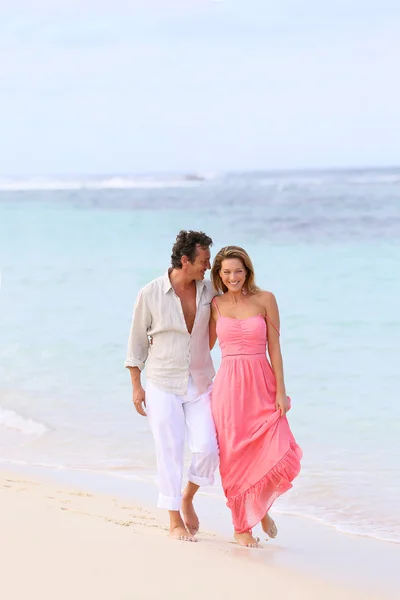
105, 86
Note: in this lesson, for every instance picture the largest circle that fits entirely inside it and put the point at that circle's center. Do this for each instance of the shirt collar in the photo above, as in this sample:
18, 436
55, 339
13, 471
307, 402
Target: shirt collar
166, 282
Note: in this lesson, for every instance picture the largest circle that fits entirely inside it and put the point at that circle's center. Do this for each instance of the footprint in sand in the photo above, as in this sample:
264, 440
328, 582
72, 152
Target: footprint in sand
22, 481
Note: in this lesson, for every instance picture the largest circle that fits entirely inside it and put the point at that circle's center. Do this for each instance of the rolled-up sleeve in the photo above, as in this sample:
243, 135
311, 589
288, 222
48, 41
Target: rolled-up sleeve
138, 343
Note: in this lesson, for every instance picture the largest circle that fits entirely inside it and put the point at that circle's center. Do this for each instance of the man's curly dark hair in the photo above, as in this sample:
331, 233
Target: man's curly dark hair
186, 244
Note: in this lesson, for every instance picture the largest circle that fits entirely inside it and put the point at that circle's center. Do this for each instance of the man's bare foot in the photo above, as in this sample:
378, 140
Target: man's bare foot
181, 533
246, 539
190, 517
268, 525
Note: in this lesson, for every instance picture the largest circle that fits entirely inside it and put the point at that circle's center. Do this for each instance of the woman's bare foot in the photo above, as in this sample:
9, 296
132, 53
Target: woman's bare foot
268, 525
181, 533
190, 517
246, 539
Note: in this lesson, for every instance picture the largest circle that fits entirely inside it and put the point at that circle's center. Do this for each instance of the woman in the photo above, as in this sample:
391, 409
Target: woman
258, 454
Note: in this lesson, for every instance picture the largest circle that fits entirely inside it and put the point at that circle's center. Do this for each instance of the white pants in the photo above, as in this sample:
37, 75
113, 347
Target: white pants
170, 417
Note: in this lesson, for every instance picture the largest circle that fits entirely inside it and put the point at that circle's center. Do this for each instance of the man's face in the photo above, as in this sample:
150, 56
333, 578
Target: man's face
201, 264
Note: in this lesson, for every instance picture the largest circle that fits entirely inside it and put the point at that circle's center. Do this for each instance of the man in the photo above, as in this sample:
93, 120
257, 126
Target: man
170, 333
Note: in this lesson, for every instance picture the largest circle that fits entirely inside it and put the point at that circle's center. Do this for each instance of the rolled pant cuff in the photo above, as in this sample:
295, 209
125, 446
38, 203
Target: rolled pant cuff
169, 502
201, 480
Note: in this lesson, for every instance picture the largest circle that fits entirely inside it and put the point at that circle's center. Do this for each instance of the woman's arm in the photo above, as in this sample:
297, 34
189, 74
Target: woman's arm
274, 351
213, 326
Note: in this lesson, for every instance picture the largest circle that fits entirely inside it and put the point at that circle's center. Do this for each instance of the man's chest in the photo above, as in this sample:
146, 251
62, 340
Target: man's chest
180, 313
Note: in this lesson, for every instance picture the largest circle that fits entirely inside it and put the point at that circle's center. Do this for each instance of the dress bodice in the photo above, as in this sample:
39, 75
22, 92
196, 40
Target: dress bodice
242, 336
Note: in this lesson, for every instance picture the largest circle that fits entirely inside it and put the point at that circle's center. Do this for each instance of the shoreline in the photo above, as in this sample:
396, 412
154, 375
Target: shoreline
101, 478
314, 559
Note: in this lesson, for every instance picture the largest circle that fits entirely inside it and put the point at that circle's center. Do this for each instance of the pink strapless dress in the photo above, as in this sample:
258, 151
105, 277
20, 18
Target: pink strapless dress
259, 457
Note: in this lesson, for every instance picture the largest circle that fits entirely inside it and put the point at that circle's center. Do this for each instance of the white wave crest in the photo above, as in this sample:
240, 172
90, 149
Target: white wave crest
109, 183
12, 420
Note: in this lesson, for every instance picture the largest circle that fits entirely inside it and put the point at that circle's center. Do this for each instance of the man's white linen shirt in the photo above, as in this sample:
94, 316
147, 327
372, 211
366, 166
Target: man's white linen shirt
173, 354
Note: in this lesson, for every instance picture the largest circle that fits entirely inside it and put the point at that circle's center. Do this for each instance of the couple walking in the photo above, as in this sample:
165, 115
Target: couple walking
239, 421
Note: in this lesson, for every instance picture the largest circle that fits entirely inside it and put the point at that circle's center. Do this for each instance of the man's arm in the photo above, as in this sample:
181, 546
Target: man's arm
139, 395
138, 349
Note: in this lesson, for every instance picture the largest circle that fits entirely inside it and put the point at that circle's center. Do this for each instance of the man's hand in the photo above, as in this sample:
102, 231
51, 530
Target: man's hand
139, 400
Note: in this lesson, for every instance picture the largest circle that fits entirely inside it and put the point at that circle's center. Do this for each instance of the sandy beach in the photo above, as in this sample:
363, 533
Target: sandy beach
62, 542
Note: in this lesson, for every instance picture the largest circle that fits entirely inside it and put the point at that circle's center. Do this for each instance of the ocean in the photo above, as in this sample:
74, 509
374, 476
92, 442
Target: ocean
75, 251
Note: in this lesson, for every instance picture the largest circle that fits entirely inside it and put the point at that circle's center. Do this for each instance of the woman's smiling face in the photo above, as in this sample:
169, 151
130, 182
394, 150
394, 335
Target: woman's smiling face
233, 274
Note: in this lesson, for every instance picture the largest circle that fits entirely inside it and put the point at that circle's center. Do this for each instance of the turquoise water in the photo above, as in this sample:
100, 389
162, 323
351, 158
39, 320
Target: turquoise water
74, 254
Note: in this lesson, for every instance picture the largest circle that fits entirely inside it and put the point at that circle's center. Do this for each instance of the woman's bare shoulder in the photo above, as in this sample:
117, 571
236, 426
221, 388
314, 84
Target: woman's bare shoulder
265, 297
221, 298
